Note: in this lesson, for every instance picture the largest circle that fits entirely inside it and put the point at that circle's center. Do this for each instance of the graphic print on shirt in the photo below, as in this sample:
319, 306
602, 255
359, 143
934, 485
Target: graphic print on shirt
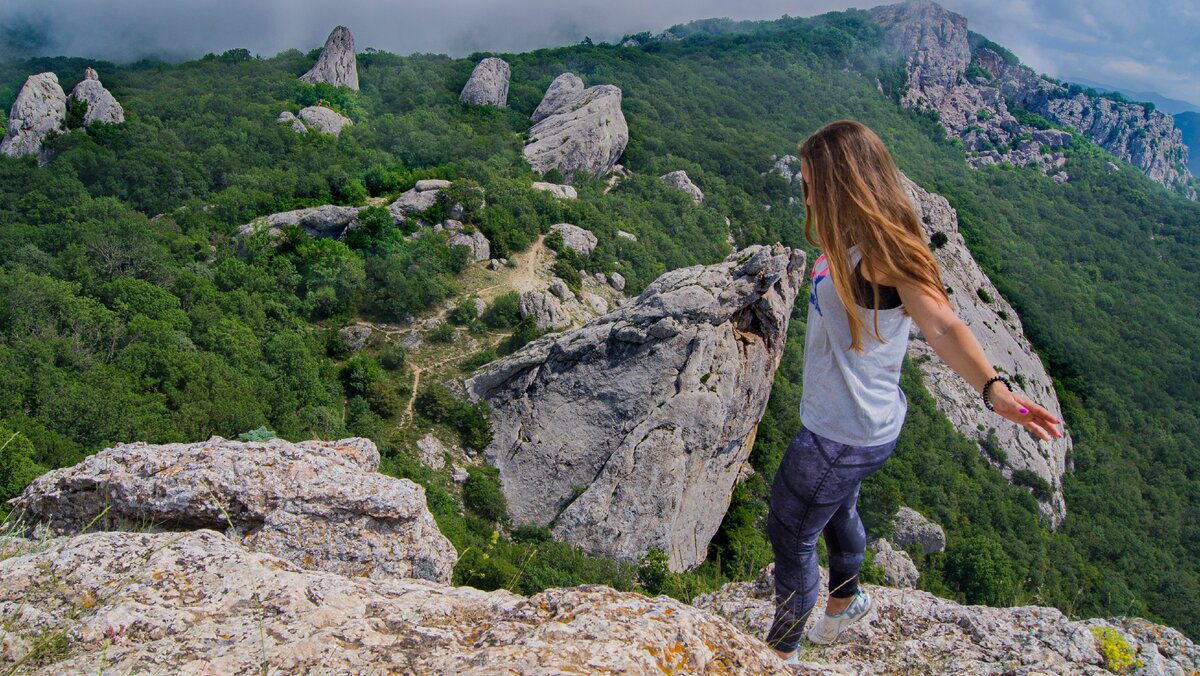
820, 272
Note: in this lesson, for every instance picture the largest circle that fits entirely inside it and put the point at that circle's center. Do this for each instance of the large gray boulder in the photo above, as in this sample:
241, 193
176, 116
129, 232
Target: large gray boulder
545, 308
560, 191
587, 133
39, 109
324, 120
579, 240
898, 567
998, 328
322, 505
915, 632
327, 220
628, 434
910, 527
197, 603
101, 105
419, 198
475, 241
680, 180
488, 84
565, 89
336, 65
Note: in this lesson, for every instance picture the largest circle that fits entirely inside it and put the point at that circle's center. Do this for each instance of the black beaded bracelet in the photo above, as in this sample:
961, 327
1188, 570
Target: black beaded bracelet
988, 385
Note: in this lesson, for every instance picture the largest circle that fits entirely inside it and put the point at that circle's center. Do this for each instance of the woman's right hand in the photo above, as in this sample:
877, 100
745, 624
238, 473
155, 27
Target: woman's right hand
1024, 412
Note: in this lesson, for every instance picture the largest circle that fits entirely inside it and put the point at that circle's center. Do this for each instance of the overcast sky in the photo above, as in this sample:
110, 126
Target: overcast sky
1141, 46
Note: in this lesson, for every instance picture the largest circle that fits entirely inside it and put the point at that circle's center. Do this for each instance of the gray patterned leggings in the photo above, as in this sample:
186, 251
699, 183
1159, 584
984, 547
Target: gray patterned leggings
815, 492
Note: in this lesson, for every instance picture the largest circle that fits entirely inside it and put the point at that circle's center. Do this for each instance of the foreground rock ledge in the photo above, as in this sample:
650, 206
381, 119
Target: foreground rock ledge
197, 603
628, 433
321, 505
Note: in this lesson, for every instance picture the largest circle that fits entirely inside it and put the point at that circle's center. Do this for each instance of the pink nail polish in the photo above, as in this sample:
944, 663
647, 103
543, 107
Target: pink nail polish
1024, 410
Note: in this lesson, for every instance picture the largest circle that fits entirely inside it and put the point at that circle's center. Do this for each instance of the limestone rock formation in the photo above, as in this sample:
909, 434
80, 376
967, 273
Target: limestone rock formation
898, 568
328, 220
321, 505
199, 603
546, 310
998, 328
39, 109
101, 105
475, 241
934, 42
336, 65
914, 632
576, 238
628, 433
420, 197
565, 192
565, 89
355, 337
324, 120
910, 527
488, 84
588, 133
286, 117
787, 166
680, 179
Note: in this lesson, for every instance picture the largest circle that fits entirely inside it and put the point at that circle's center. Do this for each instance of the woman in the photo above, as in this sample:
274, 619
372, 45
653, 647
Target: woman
875, 261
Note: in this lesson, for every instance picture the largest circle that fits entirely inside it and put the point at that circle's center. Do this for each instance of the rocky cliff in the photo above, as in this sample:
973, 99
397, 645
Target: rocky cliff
972, 89
994, 322
628, 434
581, 132
488, 84
101, 105
321, 505
39, 109
337, 64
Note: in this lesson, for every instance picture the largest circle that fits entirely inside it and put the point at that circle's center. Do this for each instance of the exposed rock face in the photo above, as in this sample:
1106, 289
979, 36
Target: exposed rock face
914, 632
40, 108
321, 505
286, 117
565, 89
199, 603
433, 451
588, 133
787, 166
628, 434
101, 106
936, 46
581, 241
998, 328
565, 192
355, 337
480, 248
679, 179
422, 196
324, 221
898, 568
910, 527
324, 120
488, 84
336, 65
545, 308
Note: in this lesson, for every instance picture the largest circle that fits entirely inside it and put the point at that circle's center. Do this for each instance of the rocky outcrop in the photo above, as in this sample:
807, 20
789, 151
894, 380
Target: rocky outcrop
419, 198
898, 568
286, 117
475, 241
324, 221
355, 337
914, 632
787, 166
101, 105
199, 603
588, 133
910, 527
565, 89
628, 433
488, 84
998, 328
545, 308
679, 179
320, 505
324, 120
581, 241
337, 64
39, 109
974, 107
565, 192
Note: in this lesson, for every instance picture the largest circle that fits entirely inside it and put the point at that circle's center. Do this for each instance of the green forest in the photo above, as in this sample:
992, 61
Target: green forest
130, 309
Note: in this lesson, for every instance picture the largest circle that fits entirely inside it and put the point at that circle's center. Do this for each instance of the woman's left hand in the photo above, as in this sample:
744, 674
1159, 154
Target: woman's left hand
1024, 412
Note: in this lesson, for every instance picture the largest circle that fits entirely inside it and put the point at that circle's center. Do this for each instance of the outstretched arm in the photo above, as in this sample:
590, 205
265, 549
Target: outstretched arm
958, 347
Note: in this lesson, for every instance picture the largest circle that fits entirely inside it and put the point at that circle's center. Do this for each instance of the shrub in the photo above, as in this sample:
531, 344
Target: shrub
504, 312
939, 240
444, 333
983, 295
482, 493
259, 434
1032, 480
1117, 654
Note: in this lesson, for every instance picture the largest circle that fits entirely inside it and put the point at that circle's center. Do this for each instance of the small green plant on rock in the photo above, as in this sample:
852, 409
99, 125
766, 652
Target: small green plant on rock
1118, 656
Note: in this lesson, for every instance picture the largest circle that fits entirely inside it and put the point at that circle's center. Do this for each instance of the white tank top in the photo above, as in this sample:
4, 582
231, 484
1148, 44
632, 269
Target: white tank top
848, 397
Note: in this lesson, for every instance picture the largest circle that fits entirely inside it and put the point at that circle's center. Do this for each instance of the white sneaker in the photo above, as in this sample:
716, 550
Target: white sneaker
829, 627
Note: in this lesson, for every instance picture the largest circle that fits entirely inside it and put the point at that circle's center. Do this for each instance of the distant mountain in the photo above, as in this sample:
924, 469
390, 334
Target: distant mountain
1168, 106
1189, 123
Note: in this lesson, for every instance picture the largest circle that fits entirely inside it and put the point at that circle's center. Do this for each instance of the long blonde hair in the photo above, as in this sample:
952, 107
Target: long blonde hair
858, 199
